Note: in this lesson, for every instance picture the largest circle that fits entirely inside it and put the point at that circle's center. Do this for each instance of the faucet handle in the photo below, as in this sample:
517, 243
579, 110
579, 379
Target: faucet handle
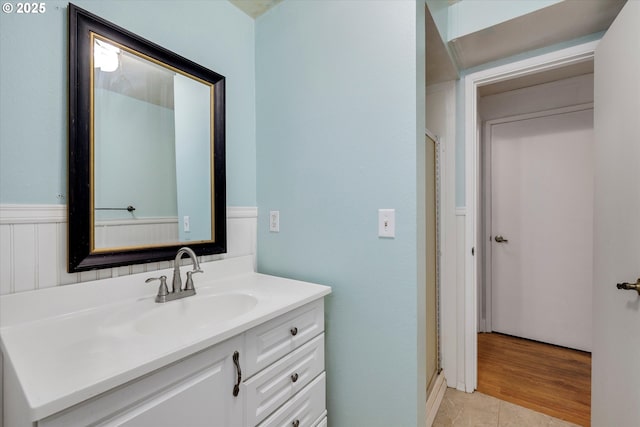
189, 285
163, 291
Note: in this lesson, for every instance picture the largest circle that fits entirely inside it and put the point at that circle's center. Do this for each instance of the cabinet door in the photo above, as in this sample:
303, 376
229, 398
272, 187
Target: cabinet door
194, 392
204, 399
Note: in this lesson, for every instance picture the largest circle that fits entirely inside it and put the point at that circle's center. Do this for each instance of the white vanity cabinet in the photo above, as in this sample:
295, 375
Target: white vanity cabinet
196, 391
73, 358
281, 363
285, 365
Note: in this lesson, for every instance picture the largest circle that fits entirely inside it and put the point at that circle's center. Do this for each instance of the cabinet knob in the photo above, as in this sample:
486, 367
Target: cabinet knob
294, 331
294, 377
295, 423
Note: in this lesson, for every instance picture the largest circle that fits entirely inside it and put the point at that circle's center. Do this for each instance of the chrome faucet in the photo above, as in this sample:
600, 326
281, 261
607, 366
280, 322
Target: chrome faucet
177, 281
177, 292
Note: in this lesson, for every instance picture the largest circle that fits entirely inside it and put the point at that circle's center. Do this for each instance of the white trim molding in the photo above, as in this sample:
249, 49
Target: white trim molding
28, 214
242, 212
469, 317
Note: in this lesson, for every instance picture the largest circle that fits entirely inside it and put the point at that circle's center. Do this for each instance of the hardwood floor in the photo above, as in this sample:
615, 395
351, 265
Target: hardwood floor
549, 379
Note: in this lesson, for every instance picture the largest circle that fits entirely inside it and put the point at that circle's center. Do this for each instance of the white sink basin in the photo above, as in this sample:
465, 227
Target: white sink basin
194, 312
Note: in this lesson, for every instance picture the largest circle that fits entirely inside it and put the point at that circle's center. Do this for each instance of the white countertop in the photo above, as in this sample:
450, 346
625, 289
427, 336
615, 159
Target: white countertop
70, 343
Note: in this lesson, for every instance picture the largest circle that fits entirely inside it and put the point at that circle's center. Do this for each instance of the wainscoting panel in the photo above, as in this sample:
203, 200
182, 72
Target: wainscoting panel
33, 247
136, 232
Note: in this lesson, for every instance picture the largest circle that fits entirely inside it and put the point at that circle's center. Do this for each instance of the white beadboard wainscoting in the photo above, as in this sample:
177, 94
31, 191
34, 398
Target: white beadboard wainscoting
136, 232
33, 247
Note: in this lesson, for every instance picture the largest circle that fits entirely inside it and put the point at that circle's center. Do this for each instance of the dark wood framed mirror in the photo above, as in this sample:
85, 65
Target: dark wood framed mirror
146, 149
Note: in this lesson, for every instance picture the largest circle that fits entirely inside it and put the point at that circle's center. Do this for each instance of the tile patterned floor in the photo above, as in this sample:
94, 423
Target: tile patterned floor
459, 409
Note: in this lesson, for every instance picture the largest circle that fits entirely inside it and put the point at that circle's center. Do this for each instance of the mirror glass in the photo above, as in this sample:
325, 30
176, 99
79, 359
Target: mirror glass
152, 151
146, 149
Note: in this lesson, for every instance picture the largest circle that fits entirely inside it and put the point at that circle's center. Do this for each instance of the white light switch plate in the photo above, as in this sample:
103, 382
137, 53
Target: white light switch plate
274, 221
386, 222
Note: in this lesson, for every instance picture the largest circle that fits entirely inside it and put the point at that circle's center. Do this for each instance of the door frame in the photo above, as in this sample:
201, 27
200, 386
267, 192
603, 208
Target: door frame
472, 131
438, 177
435, 396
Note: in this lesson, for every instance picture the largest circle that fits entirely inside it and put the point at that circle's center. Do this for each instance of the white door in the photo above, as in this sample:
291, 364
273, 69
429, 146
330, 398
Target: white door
616, 338
542, 226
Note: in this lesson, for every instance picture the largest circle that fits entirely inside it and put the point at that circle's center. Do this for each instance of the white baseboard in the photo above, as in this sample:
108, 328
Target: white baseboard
435, 398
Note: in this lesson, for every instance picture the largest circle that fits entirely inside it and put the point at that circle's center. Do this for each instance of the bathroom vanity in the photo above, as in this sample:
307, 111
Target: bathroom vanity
246, 350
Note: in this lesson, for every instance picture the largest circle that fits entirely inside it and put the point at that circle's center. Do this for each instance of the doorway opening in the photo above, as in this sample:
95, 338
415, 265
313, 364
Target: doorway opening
534, 225
473, 239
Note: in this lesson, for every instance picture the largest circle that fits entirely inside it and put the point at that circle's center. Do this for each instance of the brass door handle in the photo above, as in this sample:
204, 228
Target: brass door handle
501, 239
630, 286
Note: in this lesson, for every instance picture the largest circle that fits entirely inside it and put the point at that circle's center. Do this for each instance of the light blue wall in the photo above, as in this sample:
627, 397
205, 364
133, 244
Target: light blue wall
338, 114
144, 136
193, 157
33, 84
439, 10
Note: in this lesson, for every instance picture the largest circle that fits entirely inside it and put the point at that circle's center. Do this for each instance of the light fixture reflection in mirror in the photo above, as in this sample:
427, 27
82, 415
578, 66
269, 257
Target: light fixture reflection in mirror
152, 150
105, 56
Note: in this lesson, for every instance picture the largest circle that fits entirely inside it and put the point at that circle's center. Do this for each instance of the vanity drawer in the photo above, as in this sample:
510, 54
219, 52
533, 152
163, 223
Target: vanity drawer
274, 339
272, 387
305, 408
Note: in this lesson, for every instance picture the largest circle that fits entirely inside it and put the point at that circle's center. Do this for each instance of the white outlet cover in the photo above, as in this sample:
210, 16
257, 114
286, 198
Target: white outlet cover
387, 223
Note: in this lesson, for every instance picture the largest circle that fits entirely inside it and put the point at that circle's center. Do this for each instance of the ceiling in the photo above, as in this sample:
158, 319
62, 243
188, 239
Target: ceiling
561, 22
565, 72
558, 23
254, 8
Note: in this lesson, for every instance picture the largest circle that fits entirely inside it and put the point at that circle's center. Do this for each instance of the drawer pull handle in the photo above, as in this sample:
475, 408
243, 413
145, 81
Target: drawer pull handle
236, 361
294, 377
296, 423
294, 331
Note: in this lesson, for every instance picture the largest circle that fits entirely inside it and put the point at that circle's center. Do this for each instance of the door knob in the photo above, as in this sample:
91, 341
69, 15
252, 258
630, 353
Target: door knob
501, 239
630, 286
